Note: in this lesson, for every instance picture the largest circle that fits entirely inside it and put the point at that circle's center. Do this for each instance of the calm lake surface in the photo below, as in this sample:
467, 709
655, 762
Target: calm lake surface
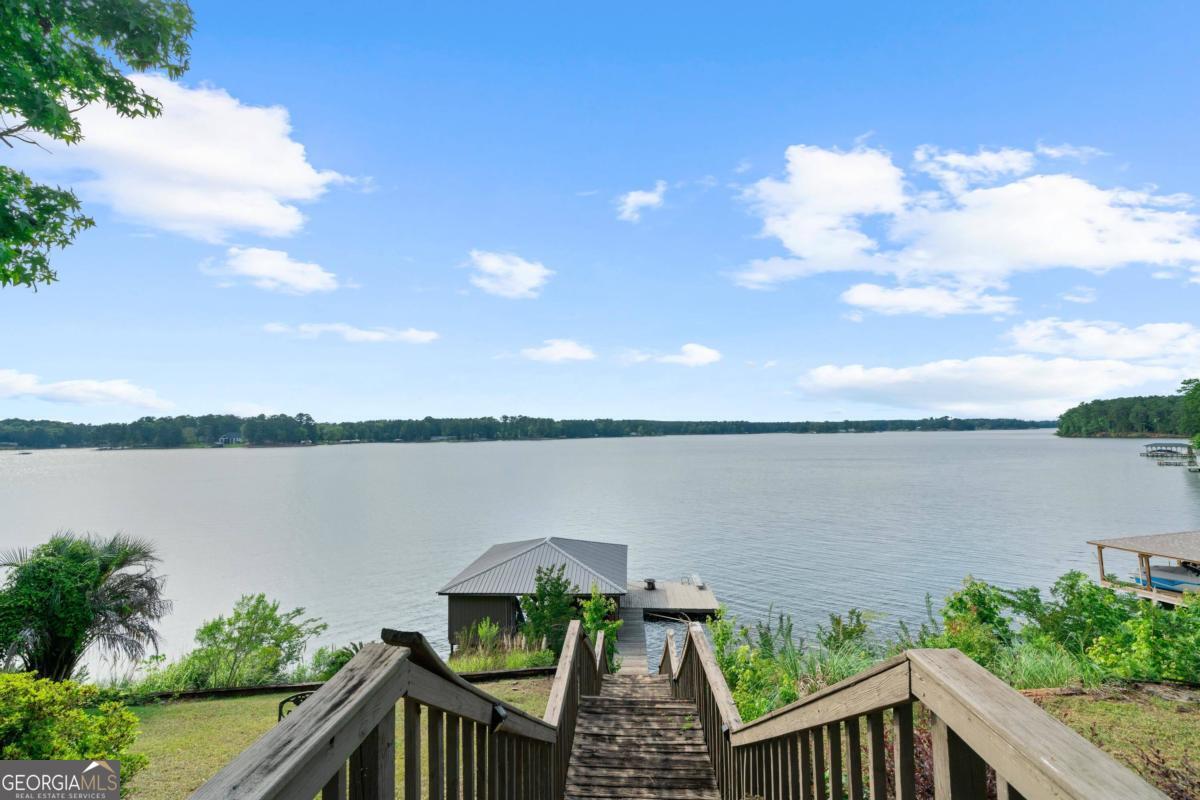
363, 535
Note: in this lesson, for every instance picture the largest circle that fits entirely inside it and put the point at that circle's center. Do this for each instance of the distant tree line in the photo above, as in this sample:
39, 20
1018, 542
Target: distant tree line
282, 429
1153, 415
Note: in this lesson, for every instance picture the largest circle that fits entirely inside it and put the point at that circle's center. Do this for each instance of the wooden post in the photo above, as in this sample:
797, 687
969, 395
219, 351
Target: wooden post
436, 734
793, 758
958, 773
834, 731
806, 770
373, 764
452, 740
336, 788
818, 754
1004, 790
902, 730
1100, 558
481, 761
877, 760
854, 769
412, 749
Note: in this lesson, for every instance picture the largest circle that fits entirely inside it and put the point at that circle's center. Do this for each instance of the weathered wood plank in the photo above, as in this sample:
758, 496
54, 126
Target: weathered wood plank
435, 741
1039, 756
958, 773
412, 749
902, 752
854, 766
876, 756
424, 656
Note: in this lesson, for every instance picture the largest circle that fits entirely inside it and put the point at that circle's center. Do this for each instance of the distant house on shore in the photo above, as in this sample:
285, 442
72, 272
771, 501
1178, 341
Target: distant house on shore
229, 438
491, 585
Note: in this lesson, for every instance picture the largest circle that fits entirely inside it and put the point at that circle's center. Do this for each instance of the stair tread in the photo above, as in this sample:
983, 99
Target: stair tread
635, 741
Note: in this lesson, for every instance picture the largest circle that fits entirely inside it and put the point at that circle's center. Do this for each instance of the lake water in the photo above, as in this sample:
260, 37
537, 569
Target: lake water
363, 535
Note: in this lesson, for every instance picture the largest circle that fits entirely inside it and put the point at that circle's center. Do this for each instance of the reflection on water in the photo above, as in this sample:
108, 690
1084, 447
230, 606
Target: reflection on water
363, 535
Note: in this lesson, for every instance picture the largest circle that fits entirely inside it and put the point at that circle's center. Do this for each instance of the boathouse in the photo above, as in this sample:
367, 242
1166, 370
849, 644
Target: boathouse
1162, 583
491, 586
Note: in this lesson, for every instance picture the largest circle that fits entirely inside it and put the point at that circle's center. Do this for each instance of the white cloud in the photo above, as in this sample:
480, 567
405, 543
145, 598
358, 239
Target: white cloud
1017, 385
209, 166
349, 333
274, 271
1078, 152
1160, 342
556, 350
630, 204
956, 171
508, 275
930, 301
981, 222
86, 391
1080, 294
689, 355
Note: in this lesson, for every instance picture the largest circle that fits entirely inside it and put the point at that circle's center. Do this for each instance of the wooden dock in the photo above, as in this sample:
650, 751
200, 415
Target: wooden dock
689, 599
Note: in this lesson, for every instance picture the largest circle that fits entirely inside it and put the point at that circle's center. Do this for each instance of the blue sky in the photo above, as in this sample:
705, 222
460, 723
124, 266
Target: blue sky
673, 212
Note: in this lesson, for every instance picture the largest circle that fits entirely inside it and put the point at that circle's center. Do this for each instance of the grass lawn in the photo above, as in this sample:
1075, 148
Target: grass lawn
1129, 723
188, 742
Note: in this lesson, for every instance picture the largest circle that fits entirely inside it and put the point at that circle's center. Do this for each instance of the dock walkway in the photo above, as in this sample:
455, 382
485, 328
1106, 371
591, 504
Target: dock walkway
671, 599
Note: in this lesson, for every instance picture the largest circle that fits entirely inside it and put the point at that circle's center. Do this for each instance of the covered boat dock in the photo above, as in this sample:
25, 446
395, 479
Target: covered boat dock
1164, 584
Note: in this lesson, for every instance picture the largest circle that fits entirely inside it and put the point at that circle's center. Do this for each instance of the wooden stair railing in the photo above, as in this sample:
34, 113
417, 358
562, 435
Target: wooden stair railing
341, 742
580, 671
814, 749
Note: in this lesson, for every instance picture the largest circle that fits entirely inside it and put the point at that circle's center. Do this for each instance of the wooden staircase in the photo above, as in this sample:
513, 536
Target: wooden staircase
634, 740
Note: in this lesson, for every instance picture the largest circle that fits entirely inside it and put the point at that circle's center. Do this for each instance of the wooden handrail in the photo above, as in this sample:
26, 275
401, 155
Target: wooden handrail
486, 709
578, 673
1036, 754
669, 663
815, 746
343, 738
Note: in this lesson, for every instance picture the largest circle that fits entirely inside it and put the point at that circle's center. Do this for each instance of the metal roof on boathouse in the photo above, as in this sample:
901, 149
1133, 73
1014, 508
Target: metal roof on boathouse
510, 568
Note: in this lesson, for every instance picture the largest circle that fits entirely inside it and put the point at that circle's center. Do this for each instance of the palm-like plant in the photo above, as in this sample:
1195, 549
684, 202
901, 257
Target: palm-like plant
75, 592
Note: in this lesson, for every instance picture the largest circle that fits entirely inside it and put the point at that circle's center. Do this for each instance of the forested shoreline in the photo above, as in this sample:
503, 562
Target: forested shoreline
1151, 415
282, 429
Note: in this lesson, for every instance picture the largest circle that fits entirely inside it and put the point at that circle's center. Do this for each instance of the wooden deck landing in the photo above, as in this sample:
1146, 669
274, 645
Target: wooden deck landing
671, 599
674, 599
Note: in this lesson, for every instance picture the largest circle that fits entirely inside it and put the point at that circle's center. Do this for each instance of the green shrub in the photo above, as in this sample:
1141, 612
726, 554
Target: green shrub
1157, 644
74, 593
551, 607
41, 719
598, 612
256, 645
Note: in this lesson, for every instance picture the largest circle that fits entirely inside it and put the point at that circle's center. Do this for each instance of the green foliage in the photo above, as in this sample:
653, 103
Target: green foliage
256, 645
598, 615
479, 661
57, 58
1176, 415
1082, 634
1189, 391
188, 431
42, 719
326, 662
551, 607
34, 219
73, 593
484, 648
1156, 644
768, 667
